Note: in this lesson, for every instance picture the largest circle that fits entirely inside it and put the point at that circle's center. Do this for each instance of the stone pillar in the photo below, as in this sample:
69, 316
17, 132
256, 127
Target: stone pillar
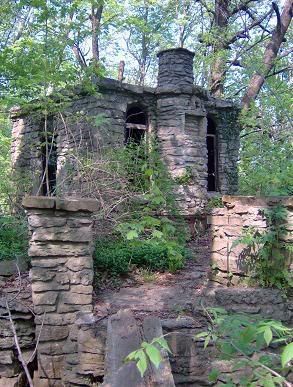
62, 275
175, 70
182, 128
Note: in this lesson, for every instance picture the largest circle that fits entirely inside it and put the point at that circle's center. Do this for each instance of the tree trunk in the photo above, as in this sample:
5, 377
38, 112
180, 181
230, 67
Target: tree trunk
95, 18
218, 67
270, 54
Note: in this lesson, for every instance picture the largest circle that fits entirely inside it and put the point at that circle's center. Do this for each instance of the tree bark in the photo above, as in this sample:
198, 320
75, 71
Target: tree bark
95, 18
270, 54
221, 19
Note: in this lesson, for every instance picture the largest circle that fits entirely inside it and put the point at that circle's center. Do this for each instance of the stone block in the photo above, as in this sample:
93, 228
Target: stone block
52, 332
57, 318
43, 202
235, 265
8, 267
42, 274
45, 221
16, 381
66, 308
219, 244
9, 365
91, 363
52, 348
41, 309
83, 277
48, 263
48, 298
217, 220
75, 298
234, 220
79, 263
61, 282
81, 289
66, 234
74, 205
50, 367
7, 357
91, 341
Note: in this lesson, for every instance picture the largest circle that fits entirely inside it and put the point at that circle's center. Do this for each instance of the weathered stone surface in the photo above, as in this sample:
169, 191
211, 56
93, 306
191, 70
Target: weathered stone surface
61, 282
50, 367
90, 341
227, 224
41, 249
82, 277
52, 333
45, 221
161, 376
62, 274
76, 298
16, 381
57, 318
74, 205
123, 337
81, 289
82, 234
38, 202
79, 263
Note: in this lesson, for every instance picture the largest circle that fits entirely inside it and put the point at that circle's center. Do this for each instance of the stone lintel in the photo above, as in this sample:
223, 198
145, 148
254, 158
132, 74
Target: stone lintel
253, 201
70, 205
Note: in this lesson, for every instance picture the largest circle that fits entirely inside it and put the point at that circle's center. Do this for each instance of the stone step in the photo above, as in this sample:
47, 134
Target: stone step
125, 336
161, 376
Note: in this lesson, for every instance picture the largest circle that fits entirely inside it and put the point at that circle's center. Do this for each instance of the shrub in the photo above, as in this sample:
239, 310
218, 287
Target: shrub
116, 256
13, 238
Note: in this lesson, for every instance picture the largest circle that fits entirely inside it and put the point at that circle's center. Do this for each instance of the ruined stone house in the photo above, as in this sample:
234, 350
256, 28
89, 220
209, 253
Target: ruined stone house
197, 134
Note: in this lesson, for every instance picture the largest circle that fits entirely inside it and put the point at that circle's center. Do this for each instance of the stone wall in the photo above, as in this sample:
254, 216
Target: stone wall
228, 223
62, 275
191, 363
84, 128
20, 305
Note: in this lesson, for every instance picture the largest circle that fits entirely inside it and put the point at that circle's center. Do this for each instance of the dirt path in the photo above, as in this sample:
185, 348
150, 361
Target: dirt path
167, 296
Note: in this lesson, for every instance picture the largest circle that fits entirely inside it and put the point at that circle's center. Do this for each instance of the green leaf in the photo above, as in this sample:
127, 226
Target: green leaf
157, 234
213, 375
287, 354
163, 343
142, 362
268, 382
207, 341
268, 335
148, 172
132, 234
153, 354
201, 334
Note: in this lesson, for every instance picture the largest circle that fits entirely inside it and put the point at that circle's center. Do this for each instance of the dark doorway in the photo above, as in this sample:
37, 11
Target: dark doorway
212, 156
49, 157
135, 125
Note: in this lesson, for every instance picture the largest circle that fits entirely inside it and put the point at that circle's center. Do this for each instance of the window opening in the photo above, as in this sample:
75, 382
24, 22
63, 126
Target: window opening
135, 125
49, 158
212, 156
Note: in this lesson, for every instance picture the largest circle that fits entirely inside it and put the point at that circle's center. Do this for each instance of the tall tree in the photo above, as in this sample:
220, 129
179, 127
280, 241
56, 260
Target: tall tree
147, 29
271, 52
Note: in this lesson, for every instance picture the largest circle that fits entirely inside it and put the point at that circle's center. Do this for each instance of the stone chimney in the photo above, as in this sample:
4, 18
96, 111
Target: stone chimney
175, 70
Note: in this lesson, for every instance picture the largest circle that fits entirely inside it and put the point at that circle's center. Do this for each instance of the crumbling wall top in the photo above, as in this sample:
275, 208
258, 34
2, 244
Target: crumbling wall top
70, 205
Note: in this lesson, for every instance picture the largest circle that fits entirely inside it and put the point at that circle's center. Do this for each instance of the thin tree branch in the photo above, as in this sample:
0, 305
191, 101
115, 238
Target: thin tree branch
20, 357
278, 72
244, 32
